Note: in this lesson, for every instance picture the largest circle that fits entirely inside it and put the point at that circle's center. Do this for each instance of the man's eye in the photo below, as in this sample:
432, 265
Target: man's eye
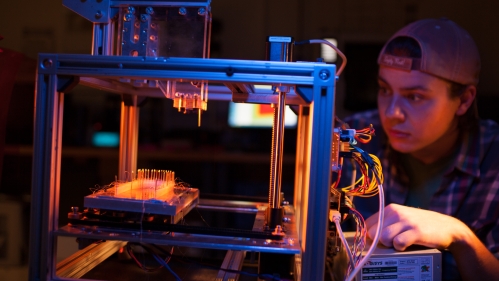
382, 91
414, 97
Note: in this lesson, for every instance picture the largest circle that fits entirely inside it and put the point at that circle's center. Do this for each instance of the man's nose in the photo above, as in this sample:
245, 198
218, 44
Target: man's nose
394, 109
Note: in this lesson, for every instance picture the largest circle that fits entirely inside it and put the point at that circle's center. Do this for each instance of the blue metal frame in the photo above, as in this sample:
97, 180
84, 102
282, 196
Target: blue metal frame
103, 11
316, 86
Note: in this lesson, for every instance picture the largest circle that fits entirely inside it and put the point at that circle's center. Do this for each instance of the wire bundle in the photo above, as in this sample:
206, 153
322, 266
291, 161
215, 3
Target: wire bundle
364, 135
370, 183
365, 186
374, 164
359, 242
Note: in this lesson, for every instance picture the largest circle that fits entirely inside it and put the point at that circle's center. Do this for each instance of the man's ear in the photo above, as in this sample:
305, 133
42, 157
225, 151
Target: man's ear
466, 99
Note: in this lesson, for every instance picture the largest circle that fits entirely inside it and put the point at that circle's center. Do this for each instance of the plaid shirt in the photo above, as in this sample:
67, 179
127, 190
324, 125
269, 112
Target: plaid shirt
469, 190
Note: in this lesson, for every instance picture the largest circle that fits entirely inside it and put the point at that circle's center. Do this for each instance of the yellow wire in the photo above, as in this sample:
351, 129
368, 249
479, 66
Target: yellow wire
372, 189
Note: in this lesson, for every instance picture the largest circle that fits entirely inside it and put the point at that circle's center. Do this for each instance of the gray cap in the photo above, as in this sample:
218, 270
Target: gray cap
447, 51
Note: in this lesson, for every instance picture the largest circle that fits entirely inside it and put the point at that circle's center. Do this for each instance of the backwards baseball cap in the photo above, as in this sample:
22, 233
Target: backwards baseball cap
447, 51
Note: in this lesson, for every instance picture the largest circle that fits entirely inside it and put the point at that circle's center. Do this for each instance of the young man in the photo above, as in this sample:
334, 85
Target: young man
440, 162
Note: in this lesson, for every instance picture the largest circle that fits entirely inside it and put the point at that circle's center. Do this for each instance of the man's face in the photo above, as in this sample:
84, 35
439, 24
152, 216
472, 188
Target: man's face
416, 109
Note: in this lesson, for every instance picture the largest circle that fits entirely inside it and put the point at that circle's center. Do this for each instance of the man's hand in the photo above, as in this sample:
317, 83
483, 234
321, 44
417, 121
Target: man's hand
405, 226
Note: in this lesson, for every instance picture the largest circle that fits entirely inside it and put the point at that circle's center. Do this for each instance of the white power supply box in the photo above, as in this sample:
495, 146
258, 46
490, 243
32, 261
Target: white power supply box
415, 264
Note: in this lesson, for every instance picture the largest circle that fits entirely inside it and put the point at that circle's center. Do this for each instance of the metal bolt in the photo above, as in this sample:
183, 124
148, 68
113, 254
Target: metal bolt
143, 18
182, 11
128, 17
47, 63
131, 10
324, 74
201, 11
98, 14
149, 10
278, 230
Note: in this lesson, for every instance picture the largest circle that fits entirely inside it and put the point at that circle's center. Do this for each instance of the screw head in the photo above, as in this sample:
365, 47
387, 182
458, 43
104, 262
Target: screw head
131, 10
143, 18
324, 74
201, 11
182, 11
128, 17
47, 63
98, 14
149, 10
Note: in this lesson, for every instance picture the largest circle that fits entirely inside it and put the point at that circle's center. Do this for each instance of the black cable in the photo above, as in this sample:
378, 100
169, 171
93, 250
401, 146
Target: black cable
139, 264
261, 276
163, 263
302, 42
370, 162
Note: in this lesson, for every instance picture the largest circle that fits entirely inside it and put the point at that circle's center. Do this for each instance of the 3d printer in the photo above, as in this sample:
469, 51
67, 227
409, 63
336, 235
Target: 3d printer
161, 49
